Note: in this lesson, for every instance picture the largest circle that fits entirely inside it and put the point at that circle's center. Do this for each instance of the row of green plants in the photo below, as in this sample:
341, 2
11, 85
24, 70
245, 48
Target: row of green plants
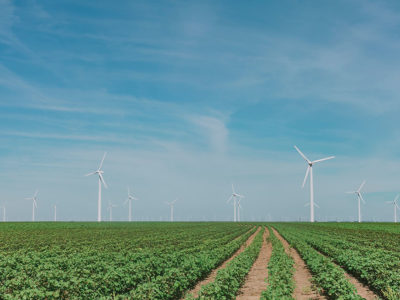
229, 280
326, 275
280, 272
68, 261
377, 267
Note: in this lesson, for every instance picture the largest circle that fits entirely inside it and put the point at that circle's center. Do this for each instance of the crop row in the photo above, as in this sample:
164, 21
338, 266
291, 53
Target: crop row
280, 272
229, 280
46, 271
326, 275
377, 267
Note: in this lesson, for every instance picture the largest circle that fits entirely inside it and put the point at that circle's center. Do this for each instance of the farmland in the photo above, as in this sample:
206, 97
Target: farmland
199, 260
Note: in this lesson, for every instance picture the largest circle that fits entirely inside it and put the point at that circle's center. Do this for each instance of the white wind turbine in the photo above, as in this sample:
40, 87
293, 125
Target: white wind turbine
129, 200
359, 198
395, 207
34, 204
109, 208
4, 212
310, 171
235, 196
55, 213
239, 207
101, 180
171, 205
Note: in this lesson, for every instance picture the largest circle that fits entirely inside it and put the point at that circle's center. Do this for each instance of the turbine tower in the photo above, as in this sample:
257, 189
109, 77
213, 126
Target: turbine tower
4, 212
234, 196
239, 207
55, 213
109, 208
359, 198
395, 207
171, 205
129, 201
100, 173
310, 171
34, 204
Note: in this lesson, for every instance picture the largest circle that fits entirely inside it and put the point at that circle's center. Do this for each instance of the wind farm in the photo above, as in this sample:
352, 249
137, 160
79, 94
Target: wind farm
199, 150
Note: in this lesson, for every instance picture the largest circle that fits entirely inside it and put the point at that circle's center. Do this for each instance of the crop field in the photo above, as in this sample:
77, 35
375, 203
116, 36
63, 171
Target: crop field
199, 260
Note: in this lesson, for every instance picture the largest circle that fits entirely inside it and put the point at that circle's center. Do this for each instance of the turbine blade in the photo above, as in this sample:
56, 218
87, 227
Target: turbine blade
233, 189
34, 202
90, 174
301, 153
305, 177
101, 164
350, 192
102, 180
361, 197
361, 186
322, 159
315, 204
397, 198
307, 204
37, 191
230, 198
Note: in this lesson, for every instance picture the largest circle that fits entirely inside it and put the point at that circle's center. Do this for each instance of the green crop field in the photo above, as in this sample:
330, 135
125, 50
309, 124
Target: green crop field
166, 260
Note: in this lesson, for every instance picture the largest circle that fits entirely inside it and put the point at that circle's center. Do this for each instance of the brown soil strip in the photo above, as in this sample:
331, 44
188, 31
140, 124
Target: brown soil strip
304, 289
210, 278
255, 282
361, 288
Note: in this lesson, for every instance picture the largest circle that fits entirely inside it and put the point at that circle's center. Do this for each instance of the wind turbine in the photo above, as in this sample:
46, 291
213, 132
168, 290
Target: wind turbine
234, 196
4, 212
101, 180
395, 207
129, 200
359, 198
109, 208
239, 207
309, 171
171, 204
55, 213
34, 204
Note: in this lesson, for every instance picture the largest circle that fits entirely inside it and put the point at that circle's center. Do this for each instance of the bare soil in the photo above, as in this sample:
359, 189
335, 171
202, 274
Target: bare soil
255, 282
304, 288
210, 278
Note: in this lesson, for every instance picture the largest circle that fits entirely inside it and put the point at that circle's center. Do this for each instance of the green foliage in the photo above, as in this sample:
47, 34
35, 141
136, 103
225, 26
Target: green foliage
326, 275
111, 260
231, 278
280, 272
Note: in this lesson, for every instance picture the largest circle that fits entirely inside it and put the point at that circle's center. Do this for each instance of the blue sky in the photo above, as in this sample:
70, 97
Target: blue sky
188, 97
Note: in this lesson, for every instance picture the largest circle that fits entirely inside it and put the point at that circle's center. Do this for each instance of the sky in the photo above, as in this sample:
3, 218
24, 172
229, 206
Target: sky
188, 97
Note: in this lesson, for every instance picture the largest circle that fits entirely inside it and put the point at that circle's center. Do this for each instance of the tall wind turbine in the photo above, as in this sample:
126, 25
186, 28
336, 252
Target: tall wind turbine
129, 200
234, 196
171, 205
395, 207
34, 204
239, 207
100, 173
359, 198
4, 212
310, 171
109, 208
55, 213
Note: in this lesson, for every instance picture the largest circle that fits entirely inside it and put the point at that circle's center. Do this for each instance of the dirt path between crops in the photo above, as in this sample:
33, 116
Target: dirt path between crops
210, 278
302, 276
255, 282
361, 288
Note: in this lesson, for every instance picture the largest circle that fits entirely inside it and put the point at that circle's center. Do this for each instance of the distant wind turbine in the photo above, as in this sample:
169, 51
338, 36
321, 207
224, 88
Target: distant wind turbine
109, 208
239, 207
4, 212
310, 171
34, 204
171, 205
55, 213
359, 198
234, 196
101, 180
395, 207
129, 201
